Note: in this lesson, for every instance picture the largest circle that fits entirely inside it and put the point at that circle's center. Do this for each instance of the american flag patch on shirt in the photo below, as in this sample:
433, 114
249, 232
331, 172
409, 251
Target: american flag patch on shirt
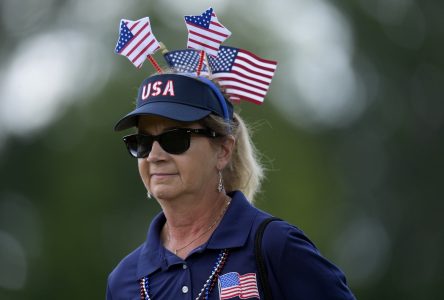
235, 285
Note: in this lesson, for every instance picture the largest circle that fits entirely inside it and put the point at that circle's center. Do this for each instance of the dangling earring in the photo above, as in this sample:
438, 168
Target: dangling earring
220, 185
148, 194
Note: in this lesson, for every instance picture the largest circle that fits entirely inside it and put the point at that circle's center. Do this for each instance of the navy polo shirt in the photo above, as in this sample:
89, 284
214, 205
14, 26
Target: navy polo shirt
296, 269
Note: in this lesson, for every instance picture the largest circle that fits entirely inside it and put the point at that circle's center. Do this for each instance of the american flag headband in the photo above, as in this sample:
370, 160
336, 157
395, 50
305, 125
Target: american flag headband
241, 74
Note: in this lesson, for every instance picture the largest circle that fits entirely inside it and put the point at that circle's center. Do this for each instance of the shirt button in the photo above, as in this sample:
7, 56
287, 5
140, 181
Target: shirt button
184, 289
184, 266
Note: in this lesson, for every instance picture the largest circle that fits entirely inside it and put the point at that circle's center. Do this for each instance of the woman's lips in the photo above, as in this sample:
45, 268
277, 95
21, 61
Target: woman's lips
162, 175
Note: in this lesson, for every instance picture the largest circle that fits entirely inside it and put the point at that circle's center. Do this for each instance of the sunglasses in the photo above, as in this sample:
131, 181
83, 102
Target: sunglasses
174, 141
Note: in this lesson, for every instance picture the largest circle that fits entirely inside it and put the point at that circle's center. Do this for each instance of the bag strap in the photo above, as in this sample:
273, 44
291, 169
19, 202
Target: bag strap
260, 262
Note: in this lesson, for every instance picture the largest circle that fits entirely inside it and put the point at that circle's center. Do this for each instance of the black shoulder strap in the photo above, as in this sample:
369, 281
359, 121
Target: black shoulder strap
262, 271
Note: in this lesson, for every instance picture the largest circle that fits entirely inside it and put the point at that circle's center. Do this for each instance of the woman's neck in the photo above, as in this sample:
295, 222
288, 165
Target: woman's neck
190, 224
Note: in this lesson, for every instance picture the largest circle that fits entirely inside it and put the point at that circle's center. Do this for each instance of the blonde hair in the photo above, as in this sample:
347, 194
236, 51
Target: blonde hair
244, 172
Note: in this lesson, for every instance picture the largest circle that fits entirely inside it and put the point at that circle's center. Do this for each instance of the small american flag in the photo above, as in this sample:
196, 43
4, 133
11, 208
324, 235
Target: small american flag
136, 41
205, 32
185, 61
234, 285
242, 74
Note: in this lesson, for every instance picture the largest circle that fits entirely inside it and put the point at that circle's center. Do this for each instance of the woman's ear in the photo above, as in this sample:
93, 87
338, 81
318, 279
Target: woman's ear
225, 150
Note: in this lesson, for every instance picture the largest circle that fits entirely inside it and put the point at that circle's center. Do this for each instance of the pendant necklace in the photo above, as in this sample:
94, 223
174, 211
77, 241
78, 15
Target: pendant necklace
212, 279
203, 233
207, 287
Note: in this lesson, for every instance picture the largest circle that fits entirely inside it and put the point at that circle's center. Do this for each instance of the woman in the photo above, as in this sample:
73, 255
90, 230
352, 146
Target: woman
195, 157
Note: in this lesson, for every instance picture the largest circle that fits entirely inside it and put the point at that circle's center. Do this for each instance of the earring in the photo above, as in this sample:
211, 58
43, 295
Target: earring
148, 194
220, 185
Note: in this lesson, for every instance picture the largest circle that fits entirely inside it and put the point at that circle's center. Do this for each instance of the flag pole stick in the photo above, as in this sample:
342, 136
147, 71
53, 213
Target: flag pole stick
210, 72
201, 58
155, 64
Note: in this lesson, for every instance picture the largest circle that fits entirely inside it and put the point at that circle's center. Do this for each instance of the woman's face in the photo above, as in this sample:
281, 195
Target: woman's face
168, 176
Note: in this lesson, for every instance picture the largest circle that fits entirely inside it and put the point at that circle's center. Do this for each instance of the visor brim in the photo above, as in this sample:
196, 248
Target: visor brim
170, 110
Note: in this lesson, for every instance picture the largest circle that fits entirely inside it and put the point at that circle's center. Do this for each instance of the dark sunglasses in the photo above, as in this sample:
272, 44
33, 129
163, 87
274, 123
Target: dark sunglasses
174, 141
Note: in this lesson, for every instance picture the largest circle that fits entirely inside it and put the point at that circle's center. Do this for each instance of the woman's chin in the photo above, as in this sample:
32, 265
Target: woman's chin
164, 192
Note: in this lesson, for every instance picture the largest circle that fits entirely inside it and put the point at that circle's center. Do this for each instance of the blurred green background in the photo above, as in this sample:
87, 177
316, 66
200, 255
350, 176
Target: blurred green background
351, 133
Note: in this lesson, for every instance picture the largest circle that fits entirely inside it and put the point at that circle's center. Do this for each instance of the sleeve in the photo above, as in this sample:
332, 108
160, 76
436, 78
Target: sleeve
296, 269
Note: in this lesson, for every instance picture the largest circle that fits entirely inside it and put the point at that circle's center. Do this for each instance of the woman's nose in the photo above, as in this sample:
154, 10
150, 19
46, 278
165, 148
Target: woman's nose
156, 153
